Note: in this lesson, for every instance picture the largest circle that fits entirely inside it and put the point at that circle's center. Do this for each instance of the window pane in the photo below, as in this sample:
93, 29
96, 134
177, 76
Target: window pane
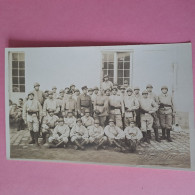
105, 65
127, 57
120, 73
21, 73
104, 57
126, 73
120, 81
21, 64
110, 73
127, 78
110, 57
111, 79
22, 80
111, 65
126, 65
105, 72
14, 72
22, 88
120, 65
14, 64
21, 56
15, 88
14, 56
14, 80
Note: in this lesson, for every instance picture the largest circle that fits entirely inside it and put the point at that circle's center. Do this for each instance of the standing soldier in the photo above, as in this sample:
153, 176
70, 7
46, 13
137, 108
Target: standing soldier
95, 94
76, 94
122, 92
32, 114
116, 107
106, 84
87, 120
156, 123
147, 107
83, 102
50, 103
38, 94
72, 88
66, 93
60, 99
20, 103
55, 95
138, 96
45, 95
126, 84
131, 105
166, 111
69, 104
101, 108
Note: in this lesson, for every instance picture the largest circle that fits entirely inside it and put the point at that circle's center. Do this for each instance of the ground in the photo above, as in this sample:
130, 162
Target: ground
167, 154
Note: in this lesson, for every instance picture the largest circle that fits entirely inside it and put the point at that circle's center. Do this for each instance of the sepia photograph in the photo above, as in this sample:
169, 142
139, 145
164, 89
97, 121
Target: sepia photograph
128, 105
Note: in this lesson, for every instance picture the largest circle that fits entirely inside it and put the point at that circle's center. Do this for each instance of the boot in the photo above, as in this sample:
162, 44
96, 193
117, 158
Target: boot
163, 134
144, 136
149, 134
44, 138
156, 135
32, 137
169, 135
36, 134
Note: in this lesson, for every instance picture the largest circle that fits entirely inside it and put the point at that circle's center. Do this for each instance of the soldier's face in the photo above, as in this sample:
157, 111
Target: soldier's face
122, 90
61, 123
87, 114
61, 94
36, 88
107, 93
31, 96
96, 91
79, 123
73, 87
164, 91
97, 125
90, 92
145, 95
66, 90
129, 93
77, 93
50, 96
136, 91
111, 124
106, 79
51, 114
54, 90
20, 101
149, 89
114, 91
85, 91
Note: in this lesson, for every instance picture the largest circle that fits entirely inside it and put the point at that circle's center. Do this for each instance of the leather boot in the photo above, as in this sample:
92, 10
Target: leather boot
149, 134
32, 137
44, 138
36, 134
144, 136
156, 135
163, 137
169, 135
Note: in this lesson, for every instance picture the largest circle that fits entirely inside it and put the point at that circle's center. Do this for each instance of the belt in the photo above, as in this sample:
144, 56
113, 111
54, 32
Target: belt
113, 107
100, 104
31, 113
85, 106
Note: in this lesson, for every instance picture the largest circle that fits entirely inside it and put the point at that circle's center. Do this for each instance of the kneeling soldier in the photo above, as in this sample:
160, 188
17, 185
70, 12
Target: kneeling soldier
60, 134
48, 124
133, 136
115, 135
70, 120
96, 134
79, 135
87, 120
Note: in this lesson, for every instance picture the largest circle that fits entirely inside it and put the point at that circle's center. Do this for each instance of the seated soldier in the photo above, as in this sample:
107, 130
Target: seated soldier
115, 135
96, 134
70, 120
133, 135
60, 135
48, 125
79, 135
87, 120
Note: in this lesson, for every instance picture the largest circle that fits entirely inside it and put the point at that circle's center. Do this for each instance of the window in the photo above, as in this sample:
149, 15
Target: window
18, 72
117, 66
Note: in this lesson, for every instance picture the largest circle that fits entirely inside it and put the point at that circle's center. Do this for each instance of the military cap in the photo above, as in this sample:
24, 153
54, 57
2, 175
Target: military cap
50, 93
145, 92
87, 110
136, 88
72, 85
84, 87
129, 89
79, 119
36, 84
46, 91
60, 120
149, 86
61, 91
164, 87
125, 81
111, 120
69, 111
50, 110
90, 89
54, 87
96, 121
122, 87
77, 90
31, 93
106, 76
95, 88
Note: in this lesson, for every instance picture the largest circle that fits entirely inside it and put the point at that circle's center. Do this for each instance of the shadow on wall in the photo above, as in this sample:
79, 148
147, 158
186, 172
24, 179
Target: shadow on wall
182, 118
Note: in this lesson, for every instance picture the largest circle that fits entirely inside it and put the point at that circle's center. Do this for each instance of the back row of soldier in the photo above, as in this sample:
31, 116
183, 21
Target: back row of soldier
48, 110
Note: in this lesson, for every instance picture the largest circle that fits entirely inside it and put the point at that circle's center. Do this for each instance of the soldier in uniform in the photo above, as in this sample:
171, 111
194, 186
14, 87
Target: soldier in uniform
122, 92
131, 105
155, 115
106, 84
101, 108
83, 102
166, 112
96, 135
76, 94
126, 84
115, 135
45, 95
38, 94
32, 115
60, 99
72, 88
116, 107
133, 136
90, 92
20, 103
69, 104
50, 103
48, 124
147, 107
60, 135
95, 94
66, 93
55, 95
87, 120
79, 135
138, 96
70, 120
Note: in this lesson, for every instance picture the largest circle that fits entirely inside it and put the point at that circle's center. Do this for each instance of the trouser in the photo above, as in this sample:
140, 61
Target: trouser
117, 142
56, 140
118, 120
102, 120
146, 122
97, 140
138, 119
33, 125
156, 123
166, 121
131, 144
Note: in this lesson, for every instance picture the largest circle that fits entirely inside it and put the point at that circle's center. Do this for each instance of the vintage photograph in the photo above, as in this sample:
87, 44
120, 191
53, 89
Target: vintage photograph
122, 105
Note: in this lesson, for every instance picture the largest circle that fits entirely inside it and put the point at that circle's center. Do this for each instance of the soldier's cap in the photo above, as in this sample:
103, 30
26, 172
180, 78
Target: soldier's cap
125, 81
115, 88
96, 121
129, 89
90, 89
69, 111
87, 110
72, 85
136, 88
84, 87
149, 86
50, 110
61, 91
106, 76
95, 88
145, 92
122, 87
164, 87
31, 93
46, 91
60, 120
77, 90
79, 119
54, 87
111, 120
50, 93
36, 84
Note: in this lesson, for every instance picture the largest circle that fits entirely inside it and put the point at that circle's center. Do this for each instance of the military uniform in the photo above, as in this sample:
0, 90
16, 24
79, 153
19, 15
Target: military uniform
107, 85
84, 102
70, 121
87, 121
38, 95
69, 104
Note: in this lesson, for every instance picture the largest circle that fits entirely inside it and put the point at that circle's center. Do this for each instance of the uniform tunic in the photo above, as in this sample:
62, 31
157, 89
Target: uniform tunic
95, 134
50, 104
133, 133
69, 104
38, 95
106, 85
87, 121
70, 121
49, 123
79, 133
83, 102
114, 132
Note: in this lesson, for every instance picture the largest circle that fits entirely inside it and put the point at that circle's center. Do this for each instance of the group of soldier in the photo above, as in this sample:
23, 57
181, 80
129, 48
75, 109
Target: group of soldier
112, 115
